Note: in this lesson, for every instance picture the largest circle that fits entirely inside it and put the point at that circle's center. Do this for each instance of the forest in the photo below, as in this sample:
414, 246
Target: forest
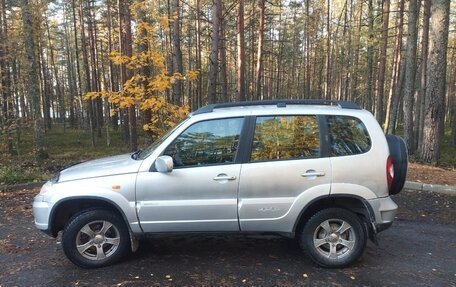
121, 73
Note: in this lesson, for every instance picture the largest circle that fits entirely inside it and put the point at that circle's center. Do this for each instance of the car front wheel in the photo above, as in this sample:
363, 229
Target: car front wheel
334, 238
95, 238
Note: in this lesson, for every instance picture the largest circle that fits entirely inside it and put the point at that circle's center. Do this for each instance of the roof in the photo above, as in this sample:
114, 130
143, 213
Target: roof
278, 104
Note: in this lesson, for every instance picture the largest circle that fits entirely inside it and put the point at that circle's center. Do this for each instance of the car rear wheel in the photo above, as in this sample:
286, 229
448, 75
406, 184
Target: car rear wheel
334, 238
95, 238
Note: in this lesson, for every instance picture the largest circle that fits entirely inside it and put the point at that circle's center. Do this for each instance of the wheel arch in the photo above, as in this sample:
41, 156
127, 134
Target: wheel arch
356, 204
64, 209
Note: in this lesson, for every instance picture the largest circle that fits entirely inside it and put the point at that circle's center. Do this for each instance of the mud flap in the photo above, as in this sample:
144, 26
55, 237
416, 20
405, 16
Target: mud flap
134, 241
372, 233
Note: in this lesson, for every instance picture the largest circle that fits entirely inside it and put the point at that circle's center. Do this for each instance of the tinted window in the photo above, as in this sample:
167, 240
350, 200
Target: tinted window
348, 136
285, 137
208, 142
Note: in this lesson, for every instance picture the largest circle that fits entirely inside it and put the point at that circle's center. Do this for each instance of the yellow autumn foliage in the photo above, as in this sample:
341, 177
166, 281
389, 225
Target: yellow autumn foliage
147, 89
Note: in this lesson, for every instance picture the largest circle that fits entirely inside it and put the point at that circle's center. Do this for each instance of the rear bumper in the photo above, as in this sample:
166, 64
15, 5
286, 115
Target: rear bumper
385, 210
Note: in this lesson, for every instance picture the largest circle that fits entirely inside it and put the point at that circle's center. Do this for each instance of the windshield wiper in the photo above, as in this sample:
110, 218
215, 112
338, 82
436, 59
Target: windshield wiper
136, 154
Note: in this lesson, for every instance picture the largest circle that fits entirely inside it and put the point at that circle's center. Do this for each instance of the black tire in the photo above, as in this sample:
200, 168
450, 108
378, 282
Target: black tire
100, 248
398, 151
335, 249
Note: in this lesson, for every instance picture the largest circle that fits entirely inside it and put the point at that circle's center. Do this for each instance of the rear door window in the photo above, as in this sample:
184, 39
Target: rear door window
347, 136
285, 137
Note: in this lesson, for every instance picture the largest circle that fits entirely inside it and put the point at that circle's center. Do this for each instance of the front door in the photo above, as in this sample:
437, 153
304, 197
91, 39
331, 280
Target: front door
200, 194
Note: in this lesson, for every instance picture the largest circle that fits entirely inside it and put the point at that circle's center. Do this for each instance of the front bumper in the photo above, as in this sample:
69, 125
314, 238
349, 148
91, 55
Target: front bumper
41, 211
384, 209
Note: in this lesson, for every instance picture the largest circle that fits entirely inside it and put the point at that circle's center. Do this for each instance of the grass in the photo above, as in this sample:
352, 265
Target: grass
15, 173
447, 151
65, 147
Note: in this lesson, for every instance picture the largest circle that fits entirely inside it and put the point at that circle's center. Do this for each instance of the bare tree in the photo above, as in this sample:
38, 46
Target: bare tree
370, 56
177, 53
240, 69
33, 85
125, 73
436, 75
381, 72
410, 70
259, 63
423, 70
213, 64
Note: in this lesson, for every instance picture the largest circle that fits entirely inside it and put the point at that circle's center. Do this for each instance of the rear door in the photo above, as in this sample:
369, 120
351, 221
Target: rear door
286, 161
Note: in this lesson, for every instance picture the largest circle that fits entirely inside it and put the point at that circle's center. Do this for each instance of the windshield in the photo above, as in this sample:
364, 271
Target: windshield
150, 149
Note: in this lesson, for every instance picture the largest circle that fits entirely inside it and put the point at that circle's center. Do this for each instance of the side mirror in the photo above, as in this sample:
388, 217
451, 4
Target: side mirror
164, 164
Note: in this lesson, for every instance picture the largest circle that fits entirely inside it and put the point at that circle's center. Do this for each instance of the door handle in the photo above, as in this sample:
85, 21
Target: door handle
311, 173
224, 177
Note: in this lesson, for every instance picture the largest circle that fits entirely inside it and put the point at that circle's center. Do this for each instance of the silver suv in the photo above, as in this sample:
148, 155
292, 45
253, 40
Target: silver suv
318, 170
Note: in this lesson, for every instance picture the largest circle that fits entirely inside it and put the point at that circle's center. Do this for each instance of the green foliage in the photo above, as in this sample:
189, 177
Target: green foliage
14, 173
65, 147
447, 151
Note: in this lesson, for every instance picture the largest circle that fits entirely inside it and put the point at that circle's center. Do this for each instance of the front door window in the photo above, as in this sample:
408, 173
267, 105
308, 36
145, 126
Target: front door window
204, 143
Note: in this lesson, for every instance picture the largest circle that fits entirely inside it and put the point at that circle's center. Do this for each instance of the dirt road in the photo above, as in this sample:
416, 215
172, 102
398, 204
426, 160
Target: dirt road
418, 250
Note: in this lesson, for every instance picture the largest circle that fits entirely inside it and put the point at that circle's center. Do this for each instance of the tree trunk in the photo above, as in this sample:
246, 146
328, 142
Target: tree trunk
33, 85
78, 69
97, 104
398, 97
259, 62
240, 69
396, 70
199, 85
423, 71
222, 49
354, 80
126, 73
59, 88
436, 75
85, 61
177, 54
409, 85
327, 83
45, 86
213, 60
382, 70
370, 56
69, 72
308, 62
113, 84
6, 89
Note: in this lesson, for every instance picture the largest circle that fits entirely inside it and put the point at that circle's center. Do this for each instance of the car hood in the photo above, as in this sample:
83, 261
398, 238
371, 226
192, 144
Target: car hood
119, 164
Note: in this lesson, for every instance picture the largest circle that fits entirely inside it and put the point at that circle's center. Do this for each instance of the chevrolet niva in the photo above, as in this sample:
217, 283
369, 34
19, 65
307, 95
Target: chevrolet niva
320, 171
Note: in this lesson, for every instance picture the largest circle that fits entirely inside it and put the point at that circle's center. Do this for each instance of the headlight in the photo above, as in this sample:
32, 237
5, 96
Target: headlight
46, 187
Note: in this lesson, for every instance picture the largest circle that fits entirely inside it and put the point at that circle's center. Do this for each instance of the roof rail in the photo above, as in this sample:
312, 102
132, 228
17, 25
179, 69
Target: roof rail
279, 104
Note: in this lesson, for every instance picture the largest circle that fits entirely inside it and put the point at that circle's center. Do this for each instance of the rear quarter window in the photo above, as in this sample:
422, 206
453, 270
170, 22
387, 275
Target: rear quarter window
347, 136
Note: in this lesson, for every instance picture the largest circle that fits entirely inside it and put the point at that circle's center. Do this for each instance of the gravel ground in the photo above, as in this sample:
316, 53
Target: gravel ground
418, 250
